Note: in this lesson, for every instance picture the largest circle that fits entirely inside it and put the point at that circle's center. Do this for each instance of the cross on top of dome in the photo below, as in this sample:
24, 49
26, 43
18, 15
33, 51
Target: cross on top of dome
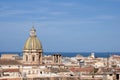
33, 32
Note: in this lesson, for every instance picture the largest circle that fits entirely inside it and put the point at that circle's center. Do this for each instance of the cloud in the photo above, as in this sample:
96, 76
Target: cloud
67, 23
54, 13
17, 11
113, 0
43, 11
58, 13
68, 4
11, 12
103, 17
100, 18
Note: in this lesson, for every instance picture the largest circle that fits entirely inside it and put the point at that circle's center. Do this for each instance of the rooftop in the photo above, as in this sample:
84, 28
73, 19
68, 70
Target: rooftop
9, 62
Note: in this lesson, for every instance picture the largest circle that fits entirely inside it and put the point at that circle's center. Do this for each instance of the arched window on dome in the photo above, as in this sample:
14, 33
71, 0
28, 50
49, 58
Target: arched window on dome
33, 58
26, 58
39, 57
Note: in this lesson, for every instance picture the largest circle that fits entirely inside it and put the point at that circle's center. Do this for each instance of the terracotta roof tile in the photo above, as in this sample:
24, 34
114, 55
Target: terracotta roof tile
10, 70
9, 62
87, 69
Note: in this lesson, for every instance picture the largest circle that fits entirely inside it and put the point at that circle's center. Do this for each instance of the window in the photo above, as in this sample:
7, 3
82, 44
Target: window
40, 72
28, 72
39, 57
26, 58
33, 58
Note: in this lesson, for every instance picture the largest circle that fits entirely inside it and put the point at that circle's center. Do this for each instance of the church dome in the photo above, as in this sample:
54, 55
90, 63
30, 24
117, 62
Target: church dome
32, 42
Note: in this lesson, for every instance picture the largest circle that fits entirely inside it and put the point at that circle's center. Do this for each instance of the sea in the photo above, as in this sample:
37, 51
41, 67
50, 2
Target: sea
72, 54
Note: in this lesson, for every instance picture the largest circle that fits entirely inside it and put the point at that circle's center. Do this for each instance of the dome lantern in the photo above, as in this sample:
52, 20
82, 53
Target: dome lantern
32, 32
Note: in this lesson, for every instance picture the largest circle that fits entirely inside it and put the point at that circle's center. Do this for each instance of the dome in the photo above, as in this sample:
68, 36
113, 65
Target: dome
32, 42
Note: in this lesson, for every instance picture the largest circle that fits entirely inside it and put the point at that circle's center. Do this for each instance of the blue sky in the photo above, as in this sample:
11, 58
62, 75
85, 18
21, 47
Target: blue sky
62, 25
